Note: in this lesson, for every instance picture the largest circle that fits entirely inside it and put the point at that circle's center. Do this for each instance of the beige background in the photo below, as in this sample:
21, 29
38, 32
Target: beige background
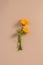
10, 12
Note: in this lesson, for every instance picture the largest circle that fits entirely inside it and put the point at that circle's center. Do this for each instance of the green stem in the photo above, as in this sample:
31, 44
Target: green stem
19, 42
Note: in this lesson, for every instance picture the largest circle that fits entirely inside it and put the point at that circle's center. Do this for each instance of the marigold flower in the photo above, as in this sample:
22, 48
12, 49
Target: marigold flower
25, 30
24, 21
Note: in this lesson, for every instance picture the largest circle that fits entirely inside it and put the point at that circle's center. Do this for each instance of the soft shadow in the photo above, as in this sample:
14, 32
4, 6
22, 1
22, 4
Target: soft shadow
16, 25
13, 35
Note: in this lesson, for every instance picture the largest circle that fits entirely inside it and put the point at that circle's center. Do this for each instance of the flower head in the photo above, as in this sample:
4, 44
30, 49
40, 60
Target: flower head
25, 30
24, 21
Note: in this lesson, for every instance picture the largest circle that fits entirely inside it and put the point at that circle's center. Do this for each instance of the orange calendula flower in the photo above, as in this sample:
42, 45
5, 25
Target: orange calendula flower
24, 21
25, 30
